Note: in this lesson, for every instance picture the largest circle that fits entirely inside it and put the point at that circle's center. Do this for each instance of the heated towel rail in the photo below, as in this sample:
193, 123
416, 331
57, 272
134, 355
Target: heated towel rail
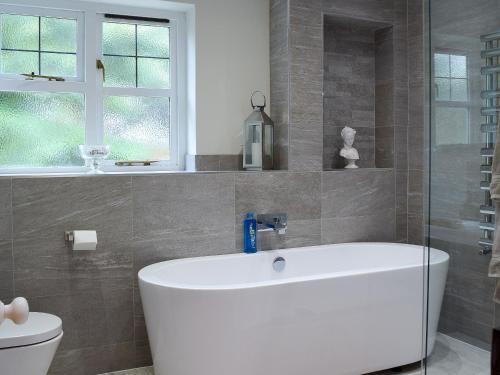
491, 113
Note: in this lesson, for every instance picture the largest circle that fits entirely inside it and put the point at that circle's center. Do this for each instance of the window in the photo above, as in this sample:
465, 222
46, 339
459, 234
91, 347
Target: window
33, 44
84, 76
451, 99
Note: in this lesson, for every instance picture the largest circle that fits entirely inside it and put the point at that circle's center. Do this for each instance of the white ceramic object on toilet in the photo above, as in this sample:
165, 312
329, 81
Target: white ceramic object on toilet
29, 348
18, 311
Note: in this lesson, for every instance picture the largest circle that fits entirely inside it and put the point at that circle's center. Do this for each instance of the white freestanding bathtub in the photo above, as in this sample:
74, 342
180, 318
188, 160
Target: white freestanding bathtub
333, 310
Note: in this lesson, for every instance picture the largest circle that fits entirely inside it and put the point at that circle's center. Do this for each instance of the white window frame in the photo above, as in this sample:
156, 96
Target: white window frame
90, 16
451, 103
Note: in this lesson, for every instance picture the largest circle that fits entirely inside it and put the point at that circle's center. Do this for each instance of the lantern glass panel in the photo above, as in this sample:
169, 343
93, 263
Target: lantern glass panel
253, 145
268, 146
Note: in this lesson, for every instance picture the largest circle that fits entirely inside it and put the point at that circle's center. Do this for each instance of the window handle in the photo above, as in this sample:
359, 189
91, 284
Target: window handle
100, 66
32, 76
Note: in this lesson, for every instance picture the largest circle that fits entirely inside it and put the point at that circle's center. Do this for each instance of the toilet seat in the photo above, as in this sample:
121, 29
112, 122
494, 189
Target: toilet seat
38, 328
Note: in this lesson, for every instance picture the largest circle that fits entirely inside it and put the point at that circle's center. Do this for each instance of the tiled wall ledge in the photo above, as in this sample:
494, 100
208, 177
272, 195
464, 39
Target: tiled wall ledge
143, 219
214, 162
161, 173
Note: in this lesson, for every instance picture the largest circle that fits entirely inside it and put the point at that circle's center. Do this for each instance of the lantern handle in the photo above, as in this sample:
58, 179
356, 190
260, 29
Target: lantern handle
261, 107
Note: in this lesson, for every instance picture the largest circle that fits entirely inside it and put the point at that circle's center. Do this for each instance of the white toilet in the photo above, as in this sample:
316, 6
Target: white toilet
29, 348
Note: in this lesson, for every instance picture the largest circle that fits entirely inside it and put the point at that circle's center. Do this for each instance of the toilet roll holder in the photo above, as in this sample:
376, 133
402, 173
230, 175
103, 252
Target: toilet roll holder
69, 236
87, 240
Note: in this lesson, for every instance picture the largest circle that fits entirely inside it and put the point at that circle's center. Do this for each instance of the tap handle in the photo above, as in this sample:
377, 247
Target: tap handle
17, 311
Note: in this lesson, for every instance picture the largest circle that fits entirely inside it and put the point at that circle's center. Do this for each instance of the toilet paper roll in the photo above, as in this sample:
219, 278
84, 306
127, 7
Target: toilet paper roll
84, 240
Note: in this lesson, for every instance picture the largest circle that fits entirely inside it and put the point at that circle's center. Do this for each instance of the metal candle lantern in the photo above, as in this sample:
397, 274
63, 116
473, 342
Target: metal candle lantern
258, 153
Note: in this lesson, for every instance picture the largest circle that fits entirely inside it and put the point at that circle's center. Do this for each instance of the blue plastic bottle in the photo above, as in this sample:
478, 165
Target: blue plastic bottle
250, 234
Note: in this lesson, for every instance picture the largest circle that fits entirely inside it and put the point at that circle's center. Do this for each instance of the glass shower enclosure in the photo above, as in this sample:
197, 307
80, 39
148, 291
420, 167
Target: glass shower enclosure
462, 91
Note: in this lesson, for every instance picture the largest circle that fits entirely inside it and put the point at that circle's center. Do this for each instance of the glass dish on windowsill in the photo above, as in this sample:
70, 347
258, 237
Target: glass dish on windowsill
93, 156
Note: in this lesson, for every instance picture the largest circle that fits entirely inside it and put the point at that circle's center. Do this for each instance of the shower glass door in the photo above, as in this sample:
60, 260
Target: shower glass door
459, 139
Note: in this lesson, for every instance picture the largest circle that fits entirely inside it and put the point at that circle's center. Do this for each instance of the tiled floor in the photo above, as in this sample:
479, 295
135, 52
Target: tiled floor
137, 371
450, 357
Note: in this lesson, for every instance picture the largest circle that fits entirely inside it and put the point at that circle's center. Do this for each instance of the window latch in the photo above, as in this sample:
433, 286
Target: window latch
32, 76
100, 66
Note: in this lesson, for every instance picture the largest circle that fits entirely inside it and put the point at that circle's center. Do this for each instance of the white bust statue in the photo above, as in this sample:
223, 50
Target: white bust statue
349, 153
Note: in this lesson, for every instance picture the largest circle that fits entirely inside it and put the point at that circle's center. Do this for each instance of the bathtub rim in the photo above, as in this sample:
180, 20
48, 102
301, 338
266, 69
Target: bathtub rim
144, 275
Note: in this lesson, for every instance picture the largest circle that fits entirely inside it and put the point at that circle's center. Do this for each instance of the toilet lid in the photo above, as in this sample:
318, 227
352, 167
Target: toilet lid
38, 328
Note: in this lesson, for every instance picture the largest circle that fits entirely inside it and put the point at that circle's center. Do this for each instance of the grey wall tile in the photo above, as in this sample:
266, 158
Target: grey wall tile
401, 234
5, 208
49, 206
163, 205
416, 229
357, 193
48, 267
207, 162
280, 76
184, 244
94, 360
297, 194
415, 191
384, 147
401, 147
306, 86
300, 233
143, 356
231, 162
385, 55
371, 228
6, 272
214, 163
90, 291
376, 10
91, 319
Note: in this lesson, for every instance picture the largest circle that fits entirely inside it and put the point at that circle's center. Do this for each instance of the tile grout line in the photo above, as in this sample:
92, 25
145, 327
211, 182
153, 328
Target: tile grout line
12, 236
321, 207
407, 123
234, 211
133, 267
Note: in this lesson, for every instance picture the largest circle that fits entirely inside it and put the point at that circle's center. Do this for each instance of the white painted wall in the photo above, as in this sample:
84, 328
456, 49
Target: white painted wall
232, 60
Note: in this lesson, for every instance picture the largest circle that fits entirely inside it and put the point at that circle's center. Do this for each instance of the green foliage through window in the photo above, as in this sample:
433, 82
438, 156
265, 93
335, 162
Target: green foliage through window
41, 129
136, 55
42, 45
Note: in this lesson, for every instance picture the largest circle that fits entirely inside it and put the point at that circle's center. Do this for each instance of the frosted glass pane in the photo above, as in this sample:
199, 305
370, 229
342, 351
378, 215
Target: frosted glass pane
459, 90
19, 32
153, 73
452, 126
441, 65
118, 39
15, 62
442, 86
56, 64
120, 71
458, 66
137, 128
40, 129
153, 41
58, 35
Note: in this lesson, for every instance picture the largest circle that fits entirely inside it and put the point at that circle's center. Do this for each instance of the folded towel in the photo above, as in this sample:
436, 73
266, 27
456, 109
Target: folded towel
494, 270
495, 180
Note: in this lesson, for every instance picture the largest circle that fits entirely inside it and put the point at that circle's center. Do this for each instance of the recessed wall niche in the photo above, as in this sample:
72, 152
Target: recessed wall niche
358, 90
